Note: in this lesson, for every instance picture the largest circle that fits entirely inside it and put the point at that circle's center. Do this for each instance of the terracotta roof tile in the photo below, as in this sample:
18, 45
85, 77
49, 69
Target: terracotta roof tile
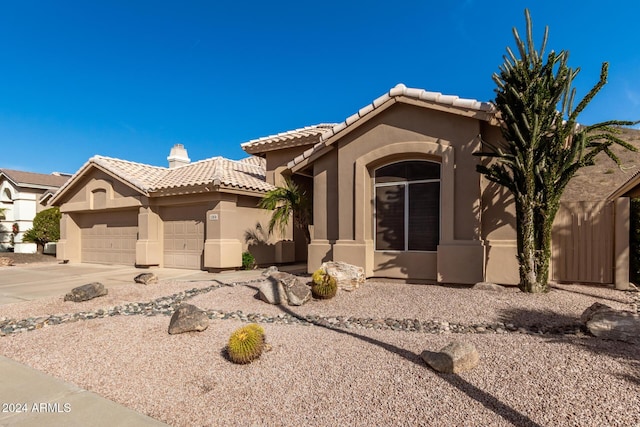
397, 91
302, 136
247, 174
216, 171
22, 178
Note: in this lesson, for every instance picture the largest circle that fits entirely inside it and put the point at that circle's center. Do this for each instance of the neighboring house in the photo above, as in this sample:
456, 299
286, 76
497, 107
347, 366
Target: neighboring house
394, 189
22, 196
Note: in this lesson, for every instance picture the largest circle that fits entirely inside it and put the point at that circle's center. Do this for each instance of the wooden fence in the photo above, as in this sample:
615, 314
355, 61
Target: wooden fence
583, 242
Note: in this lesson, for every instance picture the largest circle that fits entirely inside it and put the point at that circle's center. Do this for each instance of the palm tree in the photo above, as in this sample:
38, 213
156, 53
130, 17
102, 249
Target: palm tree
287, 202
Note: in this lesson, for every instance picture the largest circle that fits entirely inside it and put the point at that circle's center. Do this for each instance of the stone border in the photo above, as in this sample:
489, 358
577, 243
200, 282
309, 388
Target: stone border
166, 306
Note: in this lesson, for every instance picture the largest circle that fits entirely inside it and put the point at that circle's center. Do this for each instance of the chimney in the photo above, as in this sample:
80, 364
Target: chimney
178, 156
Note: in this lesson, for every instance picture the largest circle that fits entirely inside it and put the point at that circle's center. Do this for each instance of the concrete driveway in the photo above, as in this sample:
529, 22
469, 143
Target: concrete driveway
33, 281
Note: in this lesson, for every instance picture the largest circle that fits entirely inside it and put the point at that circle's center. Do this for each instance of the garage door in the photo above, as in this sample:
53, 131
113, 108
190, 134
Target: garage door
184, 237
109, 238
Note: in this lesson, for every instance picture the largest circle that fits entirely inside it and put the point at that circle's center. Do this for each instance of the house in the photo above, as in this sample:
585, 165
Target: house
187, 215
22, 196
394, 189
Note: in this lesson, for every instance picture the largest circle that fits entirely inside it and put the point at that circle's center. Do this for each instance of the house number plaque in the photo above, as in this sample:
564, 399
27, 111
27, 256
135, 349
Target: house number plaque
213, 217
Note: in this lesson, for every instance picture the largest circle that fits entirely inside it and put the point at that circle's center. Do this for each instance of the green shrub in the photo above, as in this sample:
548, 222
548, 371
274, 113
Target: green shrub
46, 228
246, 344
248, 261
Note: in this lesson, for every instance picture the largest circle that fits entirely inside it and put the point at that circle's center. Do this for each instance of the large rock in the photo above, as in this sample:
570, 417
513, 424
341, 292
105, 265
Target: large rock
269, 271
146, 278
488, 286
86, 292
455, 357
281, 288
188, 318
608, 323
272, 291
348, 277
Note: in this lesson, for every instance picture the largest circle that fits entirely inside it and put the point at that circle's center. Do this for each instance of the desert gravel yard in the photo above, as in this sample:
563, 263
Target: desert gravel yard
352, 360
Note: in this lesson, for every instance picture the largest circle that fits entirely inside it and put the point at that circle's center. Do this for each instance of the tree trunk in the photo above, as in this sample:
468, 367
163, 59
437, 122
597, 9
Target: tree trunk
534, 244
533, 255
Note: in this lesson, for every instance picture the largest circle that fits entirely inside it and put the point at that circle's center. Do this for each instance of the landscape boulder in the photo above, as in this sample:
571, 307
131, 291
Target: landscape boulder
146, 278
608, 323
5, 261
348, 277
488, 286
86, 292
455, 357
269, 271
281, 288
188, 318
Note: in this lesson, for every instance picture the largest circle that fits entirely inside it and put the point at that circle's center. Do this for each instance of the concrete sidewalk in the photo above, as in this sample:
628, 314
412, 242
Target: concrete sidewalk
29, 398
47, 401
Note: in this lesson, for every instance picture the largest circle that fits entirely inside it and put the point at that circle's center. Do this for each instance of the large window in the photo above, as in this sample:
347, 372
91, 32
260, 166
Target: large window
407, 204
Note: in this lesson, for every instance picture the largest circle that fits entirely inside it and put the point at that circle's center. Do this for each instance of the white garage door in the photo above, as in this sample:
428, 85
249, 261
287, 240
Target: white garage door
109, 238
184, 237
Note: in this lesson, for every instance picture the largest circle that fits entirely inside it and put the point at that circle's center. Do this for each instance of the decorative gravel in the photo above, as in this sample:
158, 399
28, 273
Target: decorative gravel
352, 360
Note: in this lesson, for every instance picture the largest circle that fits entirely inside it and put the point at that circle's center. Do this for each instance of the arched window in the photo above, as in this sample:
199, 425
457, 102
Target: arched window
6, 196
407, 206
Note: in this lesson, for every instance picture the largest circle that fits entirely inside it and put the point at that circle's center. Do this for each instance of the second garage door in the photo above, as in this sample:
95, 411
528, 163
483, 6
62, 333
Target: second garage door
109, 238
184, 237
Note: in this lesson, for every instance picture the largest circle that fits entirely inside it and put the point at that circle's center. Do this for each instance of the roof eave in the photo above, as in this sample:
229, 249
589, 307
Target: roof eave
632, 182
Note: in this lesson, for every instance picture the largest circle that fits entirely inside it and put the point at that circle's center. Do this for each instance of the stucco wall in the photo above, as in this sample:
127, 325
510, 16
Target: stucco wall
498, 224
97, 191
343, 181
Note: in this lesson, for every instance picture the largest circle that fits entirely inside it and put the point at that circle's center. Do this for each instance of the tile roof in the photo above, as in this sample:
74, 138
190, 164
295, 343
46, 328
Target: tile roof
294, 138
216, 171
248, 174
22, 178
428, 98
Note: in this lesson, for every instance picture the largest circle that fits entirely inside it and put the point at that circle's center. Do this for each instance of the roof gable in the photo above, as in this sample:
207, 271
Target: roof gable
34, 180
400, 93
248, 175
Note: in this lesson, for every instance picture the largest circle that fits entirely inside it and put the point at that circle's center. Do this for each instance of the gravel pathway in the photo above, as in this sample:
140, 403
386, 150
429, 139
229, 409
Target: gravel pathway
352, 360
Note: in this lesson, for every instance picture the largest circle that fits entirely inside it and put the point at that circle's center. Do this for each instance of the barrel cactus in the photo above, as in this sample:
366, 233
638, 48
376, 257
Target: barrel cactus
324, 286
246, 344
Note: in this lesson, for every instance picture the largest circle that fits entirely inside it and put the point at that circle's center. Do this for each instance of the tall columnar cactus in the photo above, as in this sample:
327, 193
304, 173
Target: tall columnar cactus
246, 344
543, 145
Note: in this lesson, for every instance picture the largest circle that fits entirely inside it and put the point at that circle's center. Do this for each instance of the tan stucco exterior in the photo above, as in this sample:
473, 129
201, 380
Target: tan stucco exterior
343, 194
206, 225
221, 218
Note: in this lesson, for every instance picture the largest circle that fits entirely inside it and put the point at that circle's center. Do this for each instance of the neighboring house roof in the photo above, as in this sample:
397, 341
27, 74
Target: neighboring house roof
294, 138
34, 180
435, 100
243, 175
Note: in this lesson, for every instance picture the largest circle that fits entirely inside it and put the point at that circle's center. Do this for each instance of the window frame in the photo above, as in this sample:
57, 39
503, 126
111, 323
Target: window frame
405, 183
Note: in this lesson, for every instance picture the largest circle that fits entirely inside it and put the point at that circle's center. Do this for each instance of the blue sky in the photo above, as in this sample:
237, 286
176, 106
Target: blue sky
129, 79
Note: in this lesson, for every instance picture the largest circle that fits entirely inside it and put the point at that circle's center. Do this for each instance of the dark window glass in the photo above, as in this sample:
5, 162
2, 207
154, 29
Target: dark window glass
424, 216
390, 207
413, 170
